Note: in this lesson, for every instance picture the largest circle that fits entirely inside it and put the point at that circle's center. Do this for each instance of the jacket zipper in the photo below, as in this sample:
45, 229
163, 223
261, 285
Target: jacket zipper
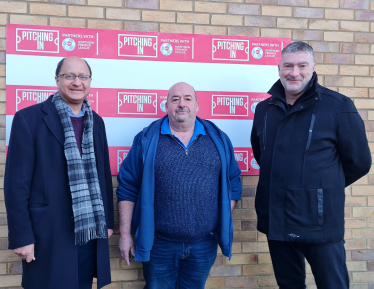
264, 134
310, 131
186, 150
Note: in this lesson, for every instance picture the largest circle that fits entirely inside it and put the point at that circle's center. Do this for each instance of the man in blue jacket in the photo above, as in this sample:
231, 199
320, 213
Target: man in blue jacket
177, 189
310, 143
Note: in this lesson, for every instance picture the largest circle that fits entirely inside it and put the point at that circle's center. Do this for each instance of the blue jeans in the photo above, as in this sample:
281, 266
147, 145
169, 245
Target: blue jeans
326, 260
175, 265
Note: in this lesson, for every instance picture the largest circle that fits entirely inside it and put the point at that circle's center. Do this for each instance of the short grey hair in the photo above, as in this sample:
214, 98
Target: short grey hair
298, 46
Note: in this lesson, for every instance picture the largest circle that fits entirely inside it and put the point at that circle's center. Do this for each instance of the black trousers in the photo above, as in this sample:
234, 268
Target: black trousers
328, 263
86, 264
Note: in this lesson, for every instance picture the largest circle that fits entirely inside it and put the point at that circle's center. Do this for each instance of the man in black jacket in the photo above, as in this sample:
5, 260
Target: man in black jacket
310, 143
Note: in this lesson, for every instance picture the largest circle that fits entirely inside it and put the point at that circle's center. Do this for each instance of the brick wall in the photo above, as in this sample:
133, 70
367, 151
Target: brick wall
342, 34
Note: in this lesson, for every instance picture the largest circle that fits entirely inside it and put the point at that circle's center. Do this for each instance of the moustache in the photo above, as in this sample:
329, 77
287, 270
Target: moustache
181, 110
291, 78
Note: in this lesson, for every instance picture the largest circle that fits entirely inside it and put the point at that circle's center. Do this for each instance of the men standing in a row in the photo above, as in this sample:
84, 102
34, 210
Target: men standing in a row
310, 143
58, 187
177, 189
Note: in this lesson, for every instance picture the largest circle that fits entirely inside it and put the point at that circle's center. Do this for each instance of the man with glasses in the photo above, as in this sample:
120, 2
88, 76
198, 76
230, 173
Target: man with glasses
58, 187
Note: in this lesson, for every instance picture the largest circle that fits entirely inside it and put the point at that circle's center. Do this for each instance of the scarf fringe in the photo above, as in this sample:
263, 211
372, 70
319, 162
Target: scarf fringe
97, 232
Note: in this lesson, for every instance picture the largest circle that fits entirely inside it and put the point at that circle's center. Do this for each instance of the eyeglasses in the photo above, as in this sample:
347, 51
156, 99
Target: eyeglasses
73, 76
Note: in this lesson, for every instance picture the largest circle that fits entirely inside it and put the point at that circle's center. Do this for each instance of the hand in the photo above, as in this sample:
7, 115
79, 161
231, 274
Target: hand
110, 233
126, 247
233, 204
26, 252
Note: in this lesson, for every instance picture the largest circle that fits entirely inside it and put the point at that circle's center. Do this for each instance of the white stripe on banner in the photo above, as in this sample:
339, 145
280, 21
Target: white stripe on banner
114, 73
8, 126
121, 131
239, 131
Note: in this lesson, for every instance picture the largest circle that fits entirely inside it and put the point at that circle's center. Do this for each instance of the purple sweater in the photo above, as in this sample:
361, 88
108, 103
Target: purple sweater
77, 123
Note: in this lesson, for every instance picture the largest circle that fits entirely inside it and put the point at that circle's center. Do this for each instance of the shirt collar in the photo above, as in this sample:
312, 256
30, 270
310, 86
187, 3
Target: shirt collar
199, 128
70, 111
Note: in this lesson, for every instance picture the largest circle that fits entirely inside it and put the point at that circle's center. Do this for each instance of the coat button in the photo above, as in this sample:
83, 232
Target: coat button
316, 98
320, 200
320, 215
71, 216
301, 106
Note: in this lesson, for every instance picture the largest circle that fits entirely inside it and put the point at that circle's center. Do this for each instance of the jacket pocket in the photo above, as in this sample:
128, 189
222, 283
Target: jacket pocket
38, 205
304, 207
261, 132
39, 219
310, 131
262, 201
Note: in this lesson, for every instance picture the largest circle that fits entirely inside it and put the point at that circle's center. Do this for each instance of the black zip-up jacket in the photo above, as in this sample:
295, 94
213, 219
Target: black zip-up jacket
307, 155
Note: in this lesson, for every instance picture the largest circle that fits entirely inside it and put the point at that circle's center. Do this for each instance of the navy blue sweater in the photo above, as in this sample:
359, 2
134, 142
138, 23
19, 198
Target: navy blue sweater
186, 189
77, 123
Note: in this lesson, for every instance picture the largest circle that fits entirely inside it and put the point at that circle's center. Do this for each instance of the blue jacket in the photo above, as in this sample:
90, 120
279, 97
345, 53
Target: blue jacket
307, 155
136, 184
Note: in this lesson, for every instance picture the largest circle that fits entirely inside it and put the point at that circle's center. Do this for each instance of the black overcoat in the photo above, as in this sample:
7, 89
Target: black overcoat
38, 198
307, 156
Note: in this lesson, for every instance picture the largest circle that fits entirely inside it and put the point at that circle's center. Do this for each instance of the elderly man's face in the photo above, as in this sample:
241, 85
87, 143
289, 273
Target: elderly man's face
295, 71
182, 105
73, 91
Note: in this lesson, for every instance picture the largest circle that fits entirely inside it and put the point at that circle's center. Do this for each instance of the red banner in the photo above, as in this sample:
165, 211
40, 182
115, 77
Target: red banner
133, 70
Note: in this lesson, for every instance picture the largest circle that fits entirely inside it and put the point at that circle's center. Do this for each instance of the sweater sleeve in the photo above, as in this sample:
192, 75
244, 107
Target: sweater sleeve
130, 174
352, 144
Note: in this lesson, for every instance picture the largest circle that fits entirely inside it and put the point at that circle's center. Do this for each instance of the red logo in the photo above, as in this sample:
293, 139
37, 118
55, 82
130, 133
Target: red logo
137, 45
242, 158
121, 155
230, 49
137, 103
28, 97
37, 40
230, 105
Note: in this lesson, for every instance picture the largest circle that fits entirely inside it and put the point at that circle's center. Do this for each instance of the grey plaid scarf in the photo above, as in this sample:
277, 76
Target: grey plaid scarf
89, 215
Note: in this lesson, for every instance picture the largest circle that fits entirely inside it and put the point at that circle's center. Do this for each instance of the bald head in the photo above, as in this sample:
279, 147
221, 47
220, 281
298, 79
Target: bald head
72, 88
182, 105
68, 59
184, 86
